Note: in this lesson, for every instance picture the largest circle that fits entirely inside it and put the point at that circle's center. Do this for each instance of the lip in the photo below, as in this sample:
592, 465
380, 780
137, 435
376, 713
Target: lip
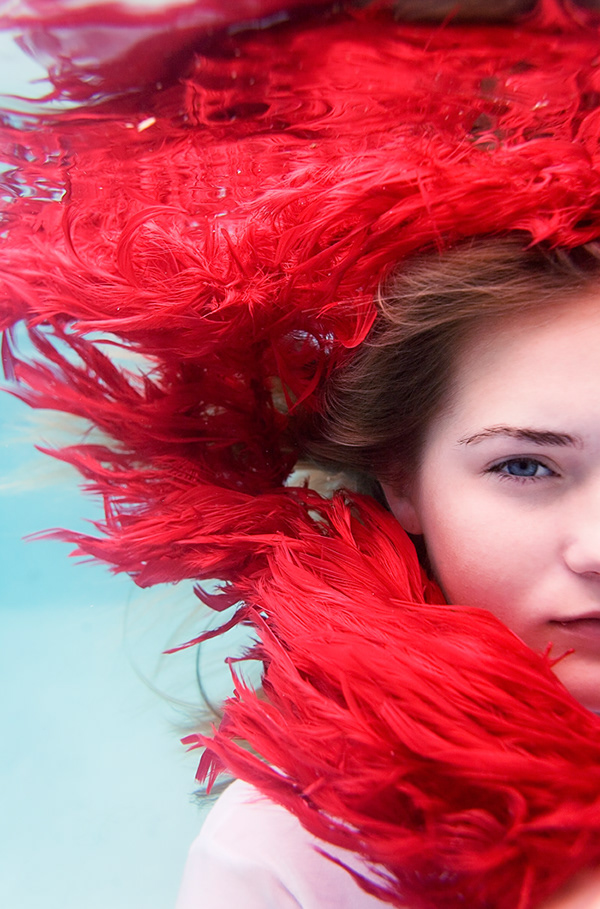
585, 628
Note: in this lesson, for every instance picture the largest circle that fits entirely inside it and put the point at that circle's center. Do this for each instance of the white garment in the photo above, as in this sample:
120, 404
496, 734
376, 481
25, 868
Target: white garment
253, 854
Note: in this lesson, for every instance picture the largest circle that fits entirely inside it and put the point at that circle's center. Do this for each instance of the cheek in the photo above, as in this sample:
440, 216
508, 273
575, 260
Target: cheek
451, 538
455, 555
478, 556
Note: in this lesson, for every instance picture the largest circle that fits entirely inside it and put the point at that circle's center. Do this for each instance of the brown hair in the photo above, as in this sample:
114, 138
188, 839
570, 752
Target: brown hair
377, 409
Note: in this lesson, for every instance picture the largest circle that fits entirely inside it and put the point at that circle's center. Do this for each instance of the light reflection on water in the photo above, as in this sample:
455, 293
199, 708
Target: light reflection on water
20, 75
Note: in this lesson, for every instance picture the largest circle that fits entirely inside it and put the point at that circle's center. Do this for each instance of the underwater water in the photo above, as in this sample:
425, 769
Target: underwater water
95, 787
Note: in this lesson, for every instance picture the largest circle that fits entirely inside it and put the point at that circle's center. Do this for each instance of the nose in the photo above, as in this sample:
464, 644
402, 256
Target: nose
582, 546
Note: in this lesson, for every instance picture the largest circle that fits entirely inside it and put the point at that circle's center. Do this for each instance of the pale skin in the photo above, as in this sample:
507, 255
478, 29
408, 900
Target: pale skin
507, 496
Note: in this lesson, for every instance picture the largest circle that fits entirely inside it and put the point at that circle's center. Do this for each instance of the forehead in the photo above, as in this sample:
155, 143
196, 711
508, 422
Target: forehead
537, 365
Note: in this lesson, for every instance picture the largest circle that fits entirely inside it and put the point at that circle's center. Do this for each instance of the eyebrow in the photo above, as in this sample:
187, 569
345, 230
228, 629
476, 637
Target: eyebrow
536, 436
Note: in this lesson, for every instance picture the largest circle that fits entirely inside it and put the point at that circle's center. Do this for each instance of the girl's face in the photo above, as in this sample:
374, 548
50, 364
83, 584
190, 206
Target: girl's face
508, 492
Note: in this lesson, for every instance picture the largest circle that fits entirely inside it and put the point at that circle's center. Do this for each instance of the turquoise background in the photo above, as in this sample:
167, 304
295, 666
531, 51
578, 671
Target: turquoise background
97, 810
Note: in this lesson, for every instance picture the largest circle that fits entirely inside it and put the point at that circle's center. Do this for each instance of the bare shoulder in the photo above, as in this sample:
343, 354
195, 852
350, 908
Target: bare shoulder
582, 892
250, 843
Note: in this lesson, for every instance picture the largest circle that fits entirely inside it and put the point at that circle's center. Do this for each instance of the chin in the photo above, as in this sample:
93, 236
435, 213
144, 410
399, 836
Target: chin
580, 682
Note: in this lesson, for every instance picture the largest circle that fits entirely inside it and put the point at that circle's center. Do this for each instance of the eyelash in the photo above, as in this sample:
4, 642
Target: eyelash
501, 465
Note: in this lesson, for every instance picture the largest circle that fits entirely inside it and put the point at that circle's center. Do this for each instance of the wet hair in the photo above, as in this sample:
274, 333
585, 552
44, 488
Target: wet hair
377, 409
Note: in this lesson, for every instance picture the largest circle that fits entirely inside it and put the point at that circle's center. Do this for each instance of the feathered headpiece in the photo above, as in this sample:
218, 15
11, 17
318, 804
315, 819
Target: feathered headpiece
231, 225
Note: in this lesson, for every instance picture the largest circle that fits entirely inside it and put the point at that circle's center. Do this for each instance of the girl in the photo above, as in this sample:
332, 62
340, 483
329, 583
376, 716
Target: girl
475, 402
233, 227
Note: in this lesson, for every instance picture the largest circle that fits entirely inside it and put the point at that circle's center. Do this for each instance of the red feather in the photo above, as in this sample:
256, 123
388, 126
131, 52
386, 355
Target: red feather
230, 226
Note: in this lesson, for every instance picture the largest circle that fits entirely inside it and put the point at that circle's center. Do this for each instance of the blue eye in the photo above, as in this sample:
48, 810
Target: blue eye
522, 468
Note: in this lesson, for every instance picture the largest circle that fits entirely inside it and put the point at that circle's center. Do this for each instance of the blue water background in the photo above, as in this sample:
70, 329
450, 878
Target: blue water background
96, 804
